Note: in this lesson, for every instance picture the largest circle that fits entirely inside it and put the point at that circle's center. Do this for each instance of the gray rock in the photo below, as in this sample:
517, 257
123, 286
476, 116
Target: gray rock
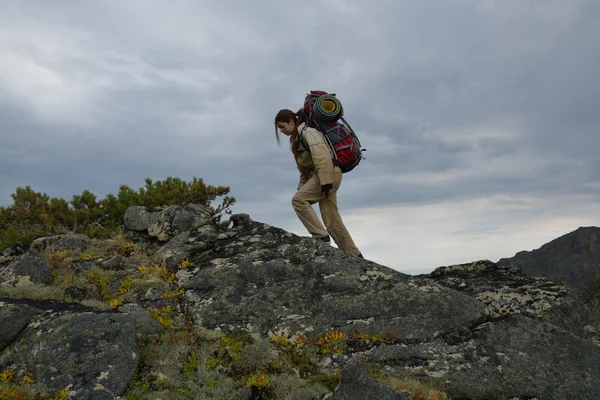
176, 219
205, 234
590, 295
141, 238
357, 384
153, 294
268, 280
529, 359
515, 357
82, 266
16, 249
13, 319
592, 334
114, 264
69, 241
245, 393
508, 291
30, 266
72, 242
181, 247
144, 322
94, 352
138, 218
241, 221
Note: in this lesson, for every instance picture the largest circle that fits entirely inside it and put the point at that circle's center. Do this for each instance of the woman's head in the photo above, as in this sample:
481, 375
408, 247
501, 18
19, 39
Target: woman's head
287, 122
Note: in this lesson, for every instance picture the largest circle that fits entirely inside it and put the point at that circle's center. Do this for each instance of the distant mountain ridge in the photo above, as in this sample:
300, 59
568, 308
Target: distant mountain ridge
573, 258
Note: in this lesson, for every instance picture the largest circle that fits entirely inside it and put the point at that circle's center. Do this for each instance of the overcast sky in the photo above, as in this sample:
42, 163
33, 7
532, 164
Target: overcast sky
481, 118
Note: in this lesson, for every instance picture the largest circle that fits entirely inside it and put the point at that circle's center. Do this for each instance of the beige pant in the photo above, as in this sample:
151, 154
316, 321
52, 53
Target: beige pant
309, 194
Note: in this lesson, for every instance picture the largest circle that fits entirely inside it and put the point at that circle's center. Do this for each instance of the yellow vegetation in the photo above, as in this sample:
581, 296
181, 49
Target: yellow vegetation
164, 315
157, 271
331, 342
260, 380
7, 375
27, 379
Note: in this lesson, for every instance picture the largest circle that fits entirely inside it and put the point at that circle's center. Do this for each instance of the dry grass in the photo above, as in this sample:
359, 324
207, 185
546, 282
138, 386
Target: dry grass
25, 289
414, 388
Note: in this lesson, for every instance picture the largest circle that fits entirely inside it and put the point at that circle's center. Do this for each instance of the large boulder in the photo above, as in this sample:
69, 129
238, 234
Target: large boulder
508, 291
165, 224
31, 267
184, 245
90, 354
17, 249
139, 218
144, 322
13, 319
515, 357
591, 297
70, 241
266, 280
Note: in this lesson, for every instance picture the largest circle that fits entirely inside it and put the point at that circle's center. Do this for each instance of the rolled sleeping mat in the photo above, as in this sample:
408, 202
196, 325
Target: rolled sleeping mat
327, 108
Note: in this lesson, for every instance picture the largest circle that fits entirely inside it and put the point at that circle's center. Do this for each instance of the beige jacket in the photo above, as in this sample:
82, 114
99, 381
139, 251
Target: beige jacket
317, 159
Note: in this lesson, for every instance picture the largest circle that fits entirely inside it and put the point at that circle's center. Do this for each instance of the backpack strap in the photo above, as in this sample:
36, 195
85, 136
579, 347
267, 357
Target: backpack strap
302, 140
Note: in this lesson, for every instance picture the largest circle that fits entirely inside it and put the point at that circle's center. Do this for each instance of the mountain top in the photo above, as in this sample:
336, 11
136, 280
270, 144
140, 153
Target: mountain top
179, 307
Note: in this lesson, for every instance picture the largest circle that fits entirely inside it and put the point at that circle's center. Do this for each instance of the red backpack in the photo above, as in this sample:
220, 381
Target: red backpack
324, 112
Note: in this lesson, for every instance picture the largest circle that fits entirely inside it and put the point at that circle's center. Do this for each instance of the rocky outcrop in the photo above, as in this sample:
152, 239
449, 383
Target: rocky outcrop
590, 295
507, 291
13, 319
166, 224
91, 355
139, 219
29, 267
61, 242
573, 259
476, 331
268, 281
514, 357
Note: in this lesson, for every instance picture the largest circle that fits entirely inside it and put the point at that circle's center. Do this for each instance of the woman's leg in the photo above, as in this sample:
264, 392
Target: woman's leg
309, 194
333, 220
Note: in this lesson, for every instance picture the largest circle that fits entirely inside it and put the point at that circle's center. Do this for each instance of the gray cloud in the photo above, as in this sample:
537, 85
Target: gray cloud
454, 100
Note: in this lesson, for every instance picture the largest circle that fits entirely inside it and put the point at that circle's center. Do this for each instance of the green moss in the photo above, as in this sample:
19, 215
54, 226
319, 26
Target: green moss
100, 280
127, 284
328, 381
213, 384
25, 289
216, 362
191, 365
411, 386
183, 390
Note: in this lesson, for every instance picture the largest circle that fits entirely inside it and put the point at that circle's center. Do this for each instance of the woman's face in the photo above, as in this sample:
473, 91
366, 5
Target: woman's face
287, 128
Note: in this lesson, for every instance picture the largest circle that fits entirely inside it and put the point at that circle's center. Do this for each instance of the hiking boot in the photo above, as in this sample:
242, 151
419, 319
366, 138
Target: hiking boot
325, 238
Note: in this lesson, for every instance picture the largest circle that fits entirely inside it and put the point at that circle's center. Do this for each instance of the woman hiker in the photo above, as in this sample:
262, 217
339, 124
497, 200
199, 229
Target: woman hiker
319, 180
